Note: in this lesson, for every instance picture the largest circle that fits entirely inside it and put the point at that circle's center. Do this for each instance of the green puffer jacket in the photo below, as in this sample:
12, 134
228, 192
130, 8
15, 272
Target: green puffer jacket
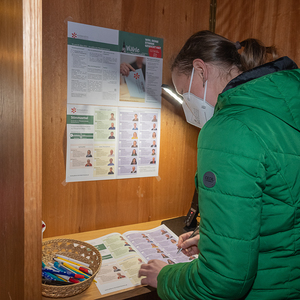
249, 194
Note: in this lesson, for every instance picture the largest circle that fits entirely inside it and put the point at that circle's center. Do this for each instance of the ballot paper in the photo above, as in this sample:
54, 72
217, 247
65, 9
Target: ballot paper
136, 84
123, 254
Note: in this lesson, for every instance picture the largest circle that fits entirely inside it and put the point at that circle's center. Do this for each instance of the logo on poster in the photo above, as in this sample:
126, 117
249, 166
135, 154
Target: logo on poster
74, 35
73, 110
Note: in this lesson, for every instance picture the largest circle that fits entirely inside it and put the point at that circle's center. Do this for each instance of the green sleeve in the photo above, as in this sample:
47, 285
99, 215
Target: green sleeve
230, 217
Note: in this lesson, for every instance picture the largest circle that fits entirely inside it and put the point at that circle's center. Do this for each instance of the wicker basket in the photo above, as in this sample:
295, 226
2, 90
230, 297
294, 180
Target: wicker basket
74, 249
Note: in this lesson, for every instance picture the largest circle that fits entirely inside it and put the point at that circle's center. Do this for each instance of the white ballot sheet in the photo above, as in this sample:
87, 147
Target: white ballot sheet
123, 254
136, 84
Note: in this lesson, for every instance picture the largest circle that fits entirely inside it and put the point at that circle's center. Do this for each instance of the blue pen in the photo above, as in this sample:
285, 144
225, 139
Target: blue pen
64, 269
59, 272
81, 279
50, 276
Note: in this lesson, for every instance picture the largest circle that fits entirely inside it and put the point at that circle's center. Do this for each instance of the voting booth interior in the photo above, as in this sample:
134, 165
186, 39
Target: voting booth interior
81, 206
34, 113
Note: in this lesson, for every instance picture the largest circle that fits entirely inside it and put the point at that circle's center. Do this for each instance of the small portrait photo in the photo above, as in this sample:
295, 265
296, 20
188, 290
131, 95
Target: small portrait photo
154, 126
112, 126
116, 269
170, 262
154, 135
134, 153
112, 117
112, 136
111, 162
110, 171
153, 143
133, 170
134, 136
130, 249
134, 162
111, 152
154, 119
164, 255
135, 127
88, 163
89, 153
134, 144
153, 161
153, 152
135, 117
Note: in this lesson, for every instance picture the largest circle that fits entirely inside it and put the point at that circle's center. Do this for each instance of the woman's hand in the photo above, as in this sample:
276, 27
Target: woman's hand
189, 245
151, 270
125, 68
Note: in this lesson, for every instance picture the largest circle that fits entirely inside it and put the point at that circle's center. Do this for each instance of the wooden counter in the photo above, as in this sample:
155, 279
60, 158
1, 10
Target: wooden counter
92, 292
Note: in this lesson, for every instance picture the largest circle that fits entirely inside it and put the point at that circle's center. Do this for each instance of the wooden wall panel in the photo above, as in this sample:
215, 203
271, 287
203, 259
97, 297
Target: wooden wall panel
20, 149
274, 22
32, 102
11, 150
77, 207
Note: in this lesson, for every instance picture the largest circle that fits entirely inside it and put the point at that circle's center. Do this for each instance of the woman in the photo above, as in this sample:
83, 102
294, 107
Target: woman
247, 176
133, 162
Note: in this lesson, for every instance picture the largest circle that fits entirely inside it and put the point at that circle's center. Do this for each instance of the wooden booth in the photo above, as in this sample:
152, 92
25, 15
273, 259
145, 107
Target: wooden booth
33, 98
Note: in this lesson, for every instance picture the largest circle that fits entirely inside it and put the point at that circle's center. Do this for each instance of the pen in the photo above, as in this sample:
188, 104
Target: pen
49, 276
59, 272
74, 261
70, 273
69, 279
52, 282
59, 266
192, 235
73, 269
80, 268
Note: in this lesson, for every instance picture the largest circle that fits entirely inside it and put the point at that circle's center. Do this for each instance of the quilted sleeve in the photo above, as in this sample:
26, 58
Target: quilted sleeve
231, 178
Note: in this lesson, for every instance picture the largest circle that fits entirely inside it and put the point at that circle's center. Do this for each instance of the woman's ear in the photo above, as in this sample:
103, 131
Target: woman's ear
200, 68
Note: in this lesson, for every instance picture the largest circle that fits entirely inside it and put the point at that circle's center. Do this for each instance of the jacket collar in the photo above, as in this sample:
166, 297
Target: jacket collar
283, 63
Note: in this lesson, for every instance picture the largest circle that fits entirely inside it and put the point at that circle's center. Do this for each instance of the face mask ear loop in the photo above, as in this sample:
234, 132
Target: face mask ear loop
191, 80
204, 97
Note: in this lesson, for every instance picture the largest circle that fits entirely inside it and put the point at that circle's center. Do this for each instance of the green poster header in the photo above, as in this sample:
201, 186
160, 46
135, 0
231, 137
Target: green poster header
83, 120
131, 43
80, 135
92, 44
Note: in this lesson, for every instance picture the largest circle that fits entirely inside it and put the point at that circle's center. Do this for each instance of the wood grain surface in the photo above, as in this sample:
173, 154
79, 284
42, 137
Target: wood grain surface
274, 22
20, 149
82, 206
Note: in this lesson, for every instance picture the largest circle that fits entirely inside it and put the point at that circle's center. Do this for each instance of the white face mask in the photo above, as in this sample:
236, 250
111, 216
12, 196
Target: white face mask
197, 111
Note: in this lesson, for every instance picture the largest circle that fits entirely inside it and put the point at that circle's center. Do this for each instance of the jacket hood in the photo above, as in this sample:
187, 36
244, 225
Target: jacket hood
273, 87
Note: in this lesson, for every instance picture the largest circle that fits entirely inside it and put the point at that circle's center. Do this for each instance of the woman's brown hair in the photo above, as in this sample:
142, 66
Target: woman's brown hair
215, 49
